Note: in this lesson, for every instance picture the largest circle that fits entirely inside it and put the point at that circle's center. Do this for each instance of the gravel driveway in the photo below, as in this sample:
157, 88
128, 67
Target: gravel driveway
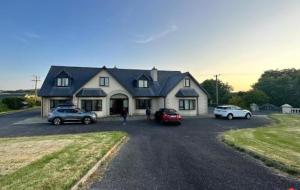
169, 157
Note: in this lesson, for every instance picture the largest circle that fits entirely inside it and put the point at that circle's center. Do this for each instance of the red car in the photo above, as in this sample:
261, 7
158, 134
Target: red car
165, 115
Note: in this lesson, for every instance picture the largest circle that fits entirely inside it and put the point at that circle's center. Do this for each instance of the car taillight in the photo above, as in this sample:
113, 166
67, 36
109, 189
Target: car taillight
179, 117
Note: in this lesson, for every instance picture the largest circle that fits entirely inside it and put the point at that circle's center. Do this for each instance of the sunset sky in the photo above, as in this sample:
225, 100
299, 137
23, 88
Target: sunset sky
238, 39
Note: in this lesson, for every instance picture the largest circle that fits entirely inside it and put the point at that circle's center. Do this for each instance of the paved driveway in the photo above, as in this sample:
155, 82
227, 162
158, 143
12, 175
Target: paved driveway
167, 157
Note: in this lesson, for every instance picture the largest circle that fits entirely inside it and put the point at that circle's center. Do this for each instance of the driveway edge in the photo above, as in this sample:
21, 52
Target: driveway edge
277, 167
87, 176
18, 111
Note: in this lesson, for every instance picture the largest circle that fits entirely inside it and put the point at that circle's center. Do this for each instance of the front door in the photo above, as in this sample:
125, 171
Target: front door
117, 105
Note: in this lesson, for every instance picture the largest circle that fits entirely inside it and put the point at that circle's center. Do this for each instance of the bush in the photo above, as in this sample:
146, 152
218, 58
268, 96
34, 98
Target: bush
13, 102
3, 107
32, 100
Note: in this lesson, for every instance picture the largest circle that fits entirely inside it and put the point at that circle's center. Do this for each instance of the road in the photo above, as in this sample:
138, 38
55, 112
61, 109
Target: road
168, 157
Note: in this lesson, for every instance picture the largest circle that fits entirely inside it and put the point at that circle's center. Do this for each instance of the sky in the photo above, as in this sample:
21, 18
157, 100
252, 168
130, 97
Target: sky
238, 39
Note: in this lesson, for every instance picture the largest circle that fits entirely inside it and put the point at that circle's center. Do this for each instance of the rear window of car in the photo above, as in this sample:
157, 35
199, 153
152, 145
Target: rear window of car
171, 111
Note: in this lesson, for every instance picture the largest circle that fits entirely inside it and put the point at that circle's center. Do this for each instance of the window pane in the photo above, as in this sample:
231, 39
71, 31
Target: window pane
106, 81
143, 103
187, 82
145, 83
186, 104
141, 83
59, 82
192, 104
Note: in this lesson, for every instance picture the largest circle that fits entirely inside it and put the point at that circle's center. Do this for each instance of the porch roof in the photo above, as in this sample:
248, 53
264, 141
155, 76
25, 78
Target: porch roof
91, 92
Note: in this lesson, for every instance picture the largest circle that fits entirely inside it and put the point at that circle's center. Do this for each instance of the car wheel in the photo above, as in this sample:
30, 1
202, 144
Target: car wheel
57, 121
230, 116
248, 116
87, 120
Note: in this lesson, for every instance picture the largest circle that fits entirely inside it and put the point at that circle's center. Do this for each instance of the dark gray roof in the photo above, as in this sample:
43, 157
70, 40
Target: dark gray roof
187, 92
91, 92
167, 80
79, 75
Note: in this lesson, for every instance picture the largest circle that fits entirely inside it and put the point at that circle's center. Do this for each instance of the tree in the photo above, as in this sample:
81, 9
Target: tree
224, 90
256, 96
282, 86
238, 101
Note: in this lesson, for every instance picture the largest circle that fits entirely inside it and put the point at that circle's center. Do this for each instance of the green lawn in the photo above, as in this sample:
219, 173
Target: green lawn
51, 162
277, 144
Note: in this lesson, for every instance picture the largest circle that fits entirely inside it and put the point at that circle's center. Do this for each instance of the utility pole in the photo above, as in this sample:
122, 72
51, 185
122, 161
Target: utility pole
35, 80
217, 89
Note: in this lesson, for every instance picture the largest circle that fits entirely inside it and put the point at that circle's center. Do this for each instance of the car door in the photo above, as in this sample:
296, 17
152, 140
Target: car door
239, 112
234, 111
72, 115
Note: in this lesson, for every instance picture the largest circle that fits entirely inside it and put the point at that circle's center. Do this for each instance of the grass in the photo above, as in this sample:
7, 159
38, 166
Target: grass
277, 145
51, 162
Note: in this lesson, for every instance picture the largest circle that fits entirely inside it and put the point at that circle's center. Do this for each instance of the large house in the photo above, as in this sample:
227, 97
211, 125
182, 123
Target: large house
107, 91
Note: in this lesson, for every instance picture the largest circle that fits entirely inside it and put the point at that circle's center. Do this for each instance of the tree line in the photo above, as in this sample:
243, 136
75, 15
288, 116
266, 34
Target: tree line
276, 87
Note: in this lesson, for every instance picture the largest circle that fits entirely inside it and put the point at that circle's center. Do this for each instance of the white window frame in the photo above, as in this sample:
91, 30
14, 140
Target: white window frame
187, 104
143, 84
187, 82
104, 81
63, 81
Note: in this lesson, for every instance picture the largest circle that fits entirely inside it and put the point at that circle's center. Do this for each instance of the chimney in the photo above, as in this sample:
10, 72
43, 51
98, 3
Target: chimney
154, 74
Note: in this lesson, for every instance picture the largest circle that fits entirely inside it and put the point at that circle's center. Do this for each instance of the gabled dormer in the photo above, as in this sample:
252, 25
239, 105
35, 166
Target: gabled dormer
63, 79
142, 81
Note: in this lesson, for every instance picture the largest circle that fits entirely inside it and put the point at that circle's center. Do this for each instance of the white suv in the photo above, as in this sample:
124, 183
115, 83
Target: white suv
230, 112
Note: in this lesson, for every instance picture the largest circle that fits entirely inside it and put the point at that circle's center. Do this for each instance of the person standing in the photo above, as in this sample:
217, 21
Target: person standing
148, 113
124, 116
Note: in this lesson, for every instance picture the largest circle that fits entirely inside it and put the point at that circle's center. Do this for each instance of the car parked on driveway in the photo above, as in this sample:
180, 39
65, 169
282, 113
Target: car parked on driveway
60, 115
165, 115
231, 111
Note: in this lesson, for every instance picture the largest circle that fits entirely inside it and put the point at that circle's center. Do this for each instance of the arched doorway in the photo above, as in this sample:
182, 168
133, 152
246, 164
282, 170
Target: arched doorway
117, 103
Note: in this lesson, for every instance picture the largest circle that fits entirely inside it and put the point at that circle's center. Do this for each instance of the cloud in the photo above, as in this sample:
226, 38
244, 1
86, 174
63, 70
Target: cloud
154, 37
21, 39
26, 37
32, 35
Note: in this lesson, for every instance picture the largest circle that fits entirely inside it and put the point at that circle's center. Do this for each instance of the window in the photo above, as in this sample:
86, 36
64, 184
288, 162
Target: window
187, 82
63, 82
56, 103
143, 84
71, 111
187, 104
143, 103
91, 105
104, 81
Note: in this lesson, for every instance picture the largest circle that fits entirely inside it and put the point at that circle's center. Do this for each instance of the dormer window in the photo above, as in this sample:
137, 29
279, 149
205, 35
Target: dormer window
143, 84
63, 82
187, 82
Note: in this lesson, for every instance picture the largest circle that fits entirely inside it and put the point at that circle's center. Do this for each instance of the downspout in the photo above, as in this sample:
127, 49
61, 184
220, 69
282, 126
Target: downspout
164, 102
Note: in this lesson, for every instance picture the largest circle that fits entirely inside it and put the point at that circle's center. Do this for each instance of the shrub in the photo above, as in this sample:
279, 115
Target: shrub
13, 102
3, 107
32, 100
